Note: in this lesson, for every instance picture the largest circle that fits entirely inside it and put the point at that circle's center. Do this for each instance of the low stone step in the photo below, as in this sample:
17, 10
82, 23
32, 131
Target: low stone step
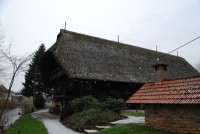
102, 127
90, 131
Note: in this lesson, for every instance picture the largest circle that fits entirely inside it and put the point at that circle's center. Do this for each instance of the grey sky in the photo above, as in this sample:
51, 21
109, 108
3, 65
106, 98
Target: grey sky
145, 23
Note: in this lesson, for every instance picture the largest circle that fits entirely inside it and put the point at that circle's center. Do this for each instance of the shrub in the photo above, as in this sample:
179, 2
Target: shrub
85, 103
66, 111
27, 109
39, 102
115, 105
91, 118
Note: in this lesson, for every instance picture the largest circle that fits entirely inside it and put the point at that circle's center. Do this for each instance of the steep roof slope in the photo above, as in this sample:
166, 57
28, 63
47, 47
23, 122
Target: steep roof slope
180, 91
87, 57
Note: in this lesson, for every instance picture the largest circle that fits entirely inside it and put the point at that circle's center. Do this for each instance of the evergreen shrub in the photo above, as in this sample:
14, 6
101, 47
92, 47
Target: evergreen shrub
114, 105
39, 102
90, 118
66, 111
85, 103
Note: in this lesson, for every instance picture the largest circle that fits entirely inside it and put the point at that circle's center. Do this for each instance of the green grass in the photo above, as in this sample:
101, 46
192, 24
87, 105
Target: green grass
27, 125
131, 129
132, 113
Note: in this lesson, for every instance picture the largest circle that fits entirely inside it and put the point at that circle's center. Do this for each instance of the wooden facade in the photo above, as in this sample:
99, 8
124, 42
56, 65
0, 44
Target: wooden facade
65, 88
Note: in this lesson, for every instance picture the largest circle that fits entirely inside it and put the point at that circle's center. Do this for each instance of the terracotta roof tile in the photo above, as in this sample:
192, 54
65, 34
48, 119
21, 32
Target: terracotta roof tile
180, 91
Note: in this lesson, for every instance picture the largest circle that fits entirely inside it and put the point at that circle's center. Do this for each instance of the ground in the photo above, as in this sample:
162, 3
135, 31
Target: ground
53, 125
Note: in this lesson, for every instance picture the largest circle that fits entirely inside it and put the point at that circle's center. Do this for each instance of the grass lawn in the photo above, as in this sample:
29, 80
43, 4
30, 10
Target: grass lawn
27, 125
132, 113
131, 129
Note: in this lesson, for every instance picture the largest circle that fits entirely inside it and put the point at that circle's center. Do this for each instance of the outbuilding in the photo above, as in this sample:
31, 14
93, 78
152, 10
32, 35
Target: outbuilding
172, 105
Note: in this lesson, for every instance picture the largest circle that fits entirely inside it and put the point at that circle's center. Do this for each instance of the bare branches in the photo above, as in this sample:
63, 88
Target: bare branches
1, 56
1, 35
17, 65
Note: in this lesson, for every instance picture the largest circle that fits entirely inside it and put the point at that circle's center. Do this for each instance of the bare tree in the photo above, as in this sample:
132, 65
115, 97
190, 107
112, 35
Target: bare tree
1, 56
17, 66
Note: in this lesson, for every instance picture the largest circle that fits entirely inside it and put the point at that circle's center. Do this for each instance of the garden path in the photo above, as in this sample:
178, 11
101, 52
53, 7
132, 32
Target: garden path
130, 119
52, 123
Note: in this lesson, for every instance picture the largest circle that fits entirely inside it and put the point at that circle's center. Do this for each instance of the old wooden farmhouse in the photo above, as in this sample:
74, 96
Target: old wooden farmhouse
172, 105
78, 65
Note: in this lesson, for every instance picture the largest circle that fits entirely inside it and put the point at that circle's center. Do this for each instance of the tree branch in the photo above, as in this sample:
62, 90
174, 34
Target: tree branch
18, 65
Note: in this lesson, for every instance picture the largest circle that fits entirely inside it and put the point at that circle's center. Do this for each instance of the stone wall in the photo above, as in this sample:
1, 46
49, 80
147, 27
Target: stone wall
175, 118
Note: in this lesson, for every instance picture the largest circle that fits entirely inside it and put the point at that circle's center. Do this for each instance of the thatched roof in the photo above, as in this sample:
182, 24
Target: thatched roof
86, 57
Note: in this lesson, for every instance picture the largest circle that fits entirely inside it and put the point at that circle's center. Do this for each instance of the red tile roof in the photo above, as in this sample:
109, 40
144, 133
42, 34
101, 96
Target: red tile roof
181, 91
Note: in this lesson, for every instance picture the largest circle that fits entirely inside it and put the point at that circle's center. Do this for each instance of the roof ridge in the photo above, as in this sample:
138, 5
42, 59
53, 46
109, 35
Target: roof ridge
64, 31
90, 57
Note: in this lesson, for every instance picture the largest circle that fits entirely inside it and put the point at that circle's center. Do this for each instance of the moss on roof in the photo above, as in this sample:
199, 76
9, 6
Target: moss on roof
88, 57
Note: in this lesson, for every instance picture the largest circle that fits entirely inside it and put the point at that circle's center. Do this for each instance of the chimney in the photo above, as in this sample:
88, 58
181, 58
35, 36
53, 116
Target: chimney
160, 72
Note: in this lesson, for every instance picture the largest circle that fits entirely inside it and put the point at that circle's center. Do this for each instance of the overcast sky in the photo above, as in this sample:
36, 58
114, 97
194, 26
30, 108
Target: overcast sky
144, 23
